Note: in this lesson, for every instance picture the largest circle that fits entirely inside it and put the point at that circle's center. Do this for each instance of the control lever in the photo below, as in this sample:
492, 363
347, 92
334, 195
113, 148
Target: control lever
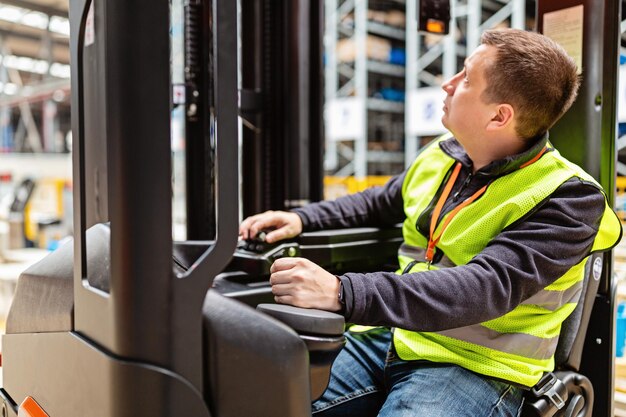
255, 256
257, 244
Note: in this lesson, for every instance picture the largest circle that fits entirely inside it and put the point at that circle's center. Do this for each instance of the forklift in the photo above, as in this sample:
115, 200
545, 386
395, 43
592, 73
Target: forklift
126, 321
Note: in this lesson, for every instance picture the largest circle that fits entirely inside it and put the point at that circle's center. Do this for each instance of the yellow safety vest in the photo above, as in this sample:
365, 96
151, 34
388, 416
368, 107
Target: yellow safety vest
518, 346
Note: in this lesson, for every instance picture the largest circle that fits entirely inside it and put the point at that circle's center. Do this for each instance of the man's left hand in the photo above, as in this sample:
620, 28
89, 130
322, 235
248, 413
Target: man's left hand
301, 283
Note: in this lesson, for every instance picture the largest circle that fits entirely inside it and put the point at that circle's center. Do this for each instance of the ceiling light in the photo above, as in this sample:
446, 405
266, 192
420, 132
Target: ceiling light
31, 18
58, 96
26, 64
59, 25
60, 70
36, 66
10, 89
35, 19
11, 14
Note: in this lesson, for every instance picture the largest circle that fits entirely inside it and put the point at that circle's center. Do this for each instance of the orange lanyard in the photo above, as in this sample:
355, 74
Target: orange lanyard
432, 239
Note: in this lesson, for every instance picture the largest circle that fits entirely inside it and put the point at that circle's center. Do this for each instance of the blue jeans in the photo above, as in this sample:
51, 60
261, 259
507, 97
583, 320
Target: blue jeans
368, 379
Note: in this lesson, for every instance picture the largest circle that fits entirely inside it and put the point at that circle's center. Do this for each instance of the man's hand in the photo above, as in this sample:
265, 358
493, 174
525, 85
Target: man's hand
301, 283
286, 225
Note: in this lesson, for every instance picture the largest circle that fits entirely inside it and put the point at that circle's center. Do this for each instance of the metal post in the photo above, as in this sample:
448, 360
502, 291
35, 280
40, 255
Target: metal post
361, 93
411, 81
331, 76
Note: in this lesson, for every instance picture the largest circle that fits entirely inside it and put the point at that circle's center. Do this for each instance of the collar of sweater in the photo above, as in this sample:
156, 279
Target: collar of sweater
496, 168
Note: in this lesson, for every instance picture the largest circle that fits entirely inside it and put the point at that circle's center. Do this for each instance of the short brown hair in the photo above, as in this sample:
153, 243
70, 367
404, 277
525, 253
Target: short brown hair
533, 74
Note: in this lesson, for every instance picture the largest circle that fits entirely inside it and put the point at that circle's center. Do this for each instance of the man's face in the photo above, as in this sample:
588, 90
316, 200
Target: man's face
466, 114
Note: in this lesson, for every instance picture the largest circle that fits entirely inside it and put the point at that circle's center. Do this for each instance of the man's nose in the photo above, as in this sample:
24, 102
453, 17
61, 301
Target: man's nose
449, 86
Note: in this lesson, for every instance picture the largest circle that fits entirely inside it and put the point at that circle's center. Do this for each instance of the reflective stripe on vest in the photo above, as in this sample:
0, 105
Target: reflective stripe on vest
553, 300
520, 345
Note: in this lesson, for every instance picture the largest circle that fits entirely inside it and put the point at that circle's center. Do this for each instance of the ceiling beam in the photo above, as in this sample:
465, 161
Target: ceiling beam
30, 94
4, 33
25, 4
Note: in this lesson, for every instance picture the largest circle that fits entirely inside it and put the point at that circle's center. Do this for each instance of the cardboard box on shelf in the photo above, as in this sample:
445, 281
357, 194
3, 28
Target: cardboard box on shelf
377, 48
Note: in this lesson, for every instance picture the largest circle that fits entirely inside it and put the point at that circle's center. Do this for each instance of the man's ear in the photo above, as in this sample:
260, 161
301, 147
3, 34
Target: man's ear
503, 117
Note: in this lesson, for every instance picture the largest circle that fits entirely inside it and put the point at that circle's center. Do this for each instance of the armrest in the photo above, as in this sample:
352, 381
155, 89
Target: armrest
305, 320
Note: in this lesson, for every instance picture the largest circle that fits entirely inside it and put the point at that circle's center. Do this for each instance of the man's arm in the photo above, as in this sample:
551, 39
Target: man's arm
514, 266
376, 206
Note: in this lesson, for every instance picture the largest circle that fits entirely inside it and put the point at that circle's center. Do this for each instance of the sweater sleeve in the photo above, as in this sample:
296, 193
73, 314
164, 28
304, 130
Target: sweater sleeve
376, 206
516, 264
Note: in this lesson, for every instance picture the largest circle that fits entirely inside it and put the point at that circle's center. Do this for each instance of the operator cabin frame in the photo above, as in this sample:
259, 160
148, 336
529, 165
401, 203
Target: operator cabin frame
138, 349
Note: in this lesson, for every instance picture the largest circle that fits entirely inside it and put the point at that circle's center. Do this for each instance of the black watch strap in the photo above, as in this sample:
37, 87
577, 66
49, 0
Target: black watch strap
342, 296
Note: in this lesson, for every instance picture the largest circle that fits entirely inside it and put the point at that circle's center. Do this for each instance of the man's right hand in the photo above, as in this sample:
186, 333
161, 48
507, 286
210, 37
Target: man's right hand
285, 225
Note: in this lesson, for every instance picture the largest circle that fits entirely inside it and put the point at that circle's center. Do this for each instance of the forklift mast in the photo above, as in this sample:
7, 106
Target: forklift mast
281, 104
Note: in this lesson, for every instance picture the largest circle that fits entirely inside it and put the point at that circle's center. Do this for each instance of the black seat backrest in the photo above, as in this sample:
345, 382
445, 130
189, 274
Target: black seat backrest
569, 349
44, 295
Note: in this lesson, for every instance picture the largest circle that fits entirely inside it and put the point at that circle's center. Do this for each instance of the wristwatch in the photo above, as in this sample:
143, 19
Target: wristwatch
342, 297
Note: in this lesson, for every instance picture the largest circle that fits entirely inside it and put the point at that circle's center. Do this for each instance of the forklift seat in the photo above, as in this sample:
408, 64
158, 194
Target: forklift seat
565, 392
44, 297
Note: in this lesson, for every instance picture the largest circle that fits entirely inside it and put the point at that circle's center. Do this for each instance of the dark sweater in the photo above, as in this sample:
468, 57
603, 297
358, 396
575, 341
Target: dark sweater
523, 259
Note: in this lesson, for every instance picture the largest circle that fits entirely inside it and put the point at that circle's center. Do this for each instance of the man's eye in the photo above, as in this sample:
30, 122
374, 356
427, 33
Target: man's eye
464, 74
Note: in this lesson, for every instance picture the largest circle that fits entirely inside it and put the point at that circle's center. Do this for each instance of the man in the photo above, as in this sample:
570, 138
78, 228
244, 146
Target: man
497, 228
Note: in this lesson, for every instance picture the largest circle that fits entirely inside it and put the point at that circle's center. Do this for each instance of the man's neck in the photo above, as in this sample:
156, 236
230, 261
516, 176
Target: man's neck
485, 155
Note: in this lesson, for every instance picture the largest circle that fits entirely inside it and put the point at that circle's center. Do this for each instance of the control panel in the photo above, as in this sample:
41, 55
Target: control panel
256, 256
